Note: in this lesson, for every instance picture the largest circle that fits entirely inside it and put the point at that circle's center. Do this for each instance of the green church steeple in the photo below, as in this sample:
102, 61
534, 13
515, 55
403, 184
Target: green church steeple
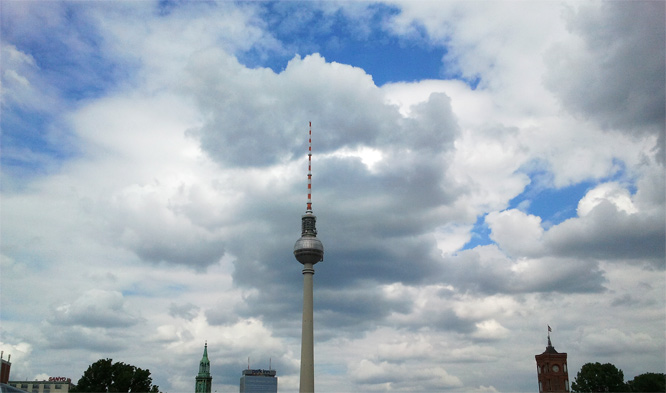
203, 379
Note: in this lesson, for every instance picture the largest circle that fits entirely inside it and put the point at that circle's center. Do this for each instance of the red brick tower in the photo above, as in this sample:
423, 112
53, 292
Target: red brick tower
552, 370
5, 367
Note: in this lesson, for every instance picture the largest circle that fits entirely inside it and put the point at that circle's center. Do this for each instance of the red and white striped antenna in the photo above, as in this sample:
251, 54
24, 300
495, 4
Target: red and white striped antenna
309, 204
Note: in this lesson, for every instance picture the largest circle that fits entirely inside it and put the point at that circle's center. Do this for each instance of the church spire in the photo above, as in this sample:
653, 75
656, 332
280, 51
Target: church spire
204, 379
204, 365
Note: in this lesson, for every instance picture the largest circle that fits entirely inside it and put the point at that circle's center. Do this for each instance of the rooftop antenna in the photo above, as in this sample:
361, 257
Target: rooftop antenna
270, 367
248, 362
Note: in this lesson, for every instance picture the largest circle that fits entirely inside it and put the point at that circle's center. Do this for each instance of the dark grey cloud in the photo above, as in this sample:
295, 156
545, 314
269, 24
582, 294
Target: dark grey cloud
619, 78
626, 300
186, 310
485, 270
147, 220
276, 304
449, 320
608, 233
363, 306
197, 254
243, 130
98, 340
220, 315
343, 103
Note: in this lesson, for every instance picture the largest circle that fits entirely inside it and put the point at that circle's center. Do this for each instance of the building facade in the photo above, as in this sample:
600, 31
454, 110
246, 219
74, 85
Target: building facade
53, 385
5, 367
204, 380
258, 381
552, 371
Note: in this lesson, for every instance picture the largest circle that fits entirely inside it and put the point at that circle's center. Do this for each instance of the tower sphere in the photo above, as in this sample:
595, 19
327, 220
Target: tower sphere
308, 249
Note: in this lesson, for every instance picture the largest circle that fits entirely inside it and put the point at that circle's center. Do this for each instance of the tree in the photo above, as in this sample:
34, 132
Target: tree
597, 377
105, 376
648, 382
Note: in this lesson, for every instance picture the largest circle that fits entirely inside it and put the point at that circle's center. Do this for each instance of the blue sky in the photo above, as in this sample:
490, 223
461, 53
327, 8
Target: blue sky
476, 178
339, 38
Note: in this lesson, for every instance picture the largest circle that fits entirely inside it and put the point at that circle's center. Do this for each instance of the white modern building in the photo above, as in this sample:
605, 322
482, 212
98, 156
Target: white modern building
258, 381
53, 385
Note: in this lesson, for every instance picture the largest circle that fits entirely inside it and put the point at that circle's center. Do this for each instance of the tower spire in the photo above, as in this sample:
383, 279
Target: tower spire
204, 379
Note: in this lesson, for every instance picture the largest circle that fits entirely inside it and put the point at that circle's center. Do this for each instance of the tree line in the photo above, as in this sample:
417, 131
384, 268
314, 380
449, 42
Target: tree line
597, 377
105, 376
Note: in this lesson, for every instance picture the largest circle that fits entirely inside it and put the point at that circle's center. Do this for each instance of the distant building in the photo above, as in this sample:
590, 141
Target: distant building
4, 388
5, 368
204, 380
552, 372
258, 381
53, 385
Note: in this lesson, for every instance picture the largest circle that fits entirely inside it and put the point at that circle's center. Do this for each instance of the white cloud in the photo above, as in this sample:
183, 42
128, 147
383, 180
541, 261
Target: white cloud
95, 308
384, 376
611, 192
490, 330
517, 233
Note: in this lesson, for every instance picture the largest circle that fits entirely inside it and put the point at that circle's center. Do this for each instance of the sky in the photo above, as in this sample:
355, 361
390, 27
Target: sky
481, 171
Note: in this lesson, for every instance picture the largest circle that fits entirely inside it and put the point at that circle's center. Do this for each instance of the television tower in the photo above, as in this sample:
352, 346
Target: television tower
308, 250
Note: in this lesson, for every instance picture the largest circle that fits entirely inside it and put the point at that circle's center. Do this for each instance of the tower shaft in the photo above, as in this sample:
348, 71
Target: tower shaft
307, 333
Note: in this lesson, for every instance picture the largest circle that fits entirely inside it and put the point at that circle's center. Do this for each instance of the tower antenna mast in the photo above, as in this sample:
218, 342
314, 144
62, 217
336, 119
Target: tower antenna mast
309, 204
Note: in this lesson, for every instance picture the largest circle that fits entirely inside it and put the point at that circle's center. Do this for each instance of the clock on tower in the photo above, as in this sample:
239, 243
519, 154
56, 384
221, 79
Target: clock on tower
552, 371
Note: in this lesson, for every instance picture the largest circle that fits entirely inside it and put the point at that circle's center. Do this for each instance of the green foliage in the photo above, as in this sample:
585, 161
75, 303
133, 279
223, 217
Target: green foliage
105, 376
648, 382
597, 377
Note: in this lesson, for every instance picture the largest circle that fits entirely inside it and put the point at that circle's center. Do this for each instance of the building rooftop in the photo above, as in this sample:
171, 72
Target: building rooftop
260, 373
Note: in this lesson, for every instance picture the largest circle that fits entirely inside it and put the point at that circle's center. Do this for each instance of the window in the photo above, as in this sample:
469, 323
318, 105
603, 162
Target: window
58, 386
